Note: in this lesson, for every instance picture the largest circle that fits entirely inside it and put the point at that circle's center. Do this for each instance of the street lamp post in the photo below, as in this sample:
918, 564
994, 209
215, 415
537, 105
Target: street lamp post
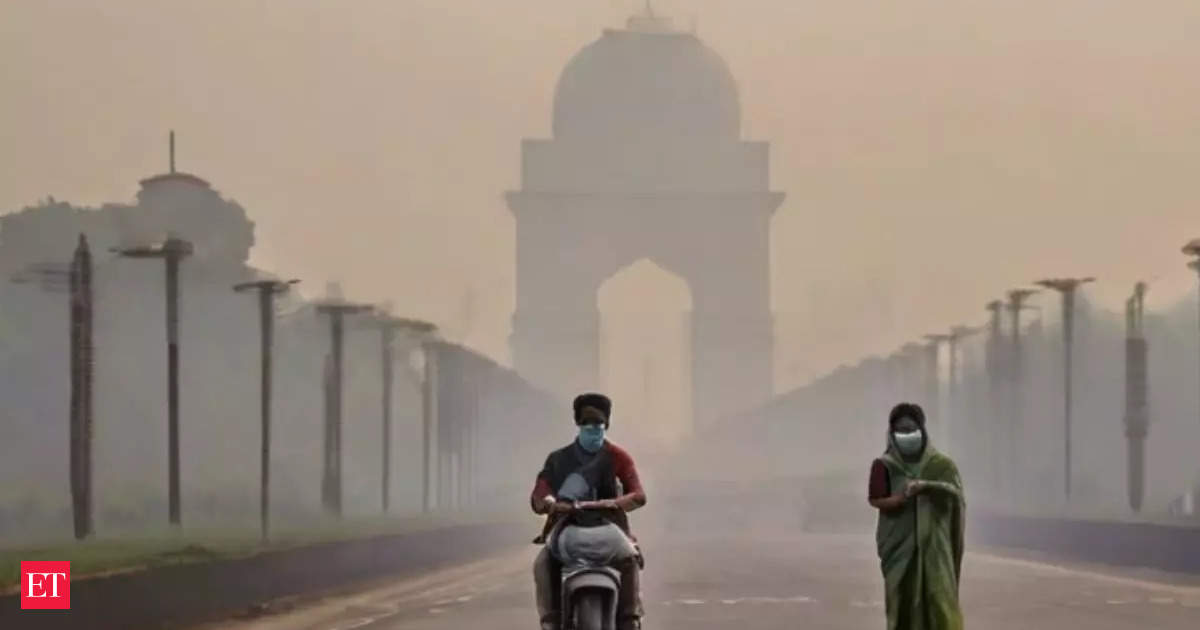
387, 334
1016, 374
267, 290
171, 251
993, 359
1192, 248
430, 412
996, 367
911, 355
1016, 304
78, 283
389, 326
1066, 287
1137, 410
933, 382
331, 478
956, 335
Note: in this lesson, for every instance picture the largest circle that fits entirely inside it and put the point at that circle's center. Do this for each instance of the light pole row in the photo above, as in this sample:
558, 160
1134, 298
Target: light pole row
172, 251
1008, 369
1004, 367
389, 326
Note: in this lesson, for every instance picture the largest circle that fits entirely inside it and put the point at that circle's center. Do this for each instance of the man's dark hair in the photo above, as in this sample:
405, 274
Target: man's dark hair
907, 410
600, 402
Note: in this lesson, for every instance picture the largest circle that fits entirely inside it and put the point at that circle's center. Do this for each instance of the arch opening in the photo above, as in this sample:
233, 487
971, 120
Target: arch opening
645, 354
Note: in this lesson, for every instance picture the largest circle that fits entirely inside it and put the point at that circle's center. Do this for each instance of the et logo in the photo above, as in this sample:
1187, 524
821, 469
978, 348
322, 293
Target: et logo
46, 585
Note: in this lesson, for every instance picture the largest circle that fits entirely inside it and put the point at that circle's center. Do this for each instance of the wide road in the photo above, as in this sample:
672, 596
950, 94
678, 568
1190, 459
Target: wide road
776, 582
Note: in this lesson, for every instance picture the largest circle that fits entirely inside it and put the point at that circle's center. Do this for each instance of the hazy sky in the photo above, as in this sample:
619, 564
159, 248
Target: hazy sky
933, 152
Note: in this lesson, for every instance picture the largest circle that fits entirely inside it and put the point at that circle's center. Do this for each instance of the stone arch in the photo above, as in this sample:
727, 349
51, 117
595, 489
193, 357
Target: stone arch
693, 198
567, 245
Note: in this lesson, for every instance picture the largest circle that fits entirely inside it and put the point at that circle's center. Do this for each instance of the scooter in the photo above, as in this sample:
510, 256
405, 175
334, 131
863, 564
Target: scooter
590, 586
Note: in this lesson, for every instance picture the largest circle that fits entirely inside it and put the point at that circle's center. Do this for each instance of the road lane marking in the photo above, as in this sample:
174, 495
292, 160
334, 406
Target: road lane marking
691, 601
355, 623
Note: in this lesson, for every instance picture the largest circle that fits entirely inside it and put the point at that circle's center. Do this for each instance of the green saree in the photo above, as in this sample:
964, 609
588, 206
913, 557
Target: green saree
921, 545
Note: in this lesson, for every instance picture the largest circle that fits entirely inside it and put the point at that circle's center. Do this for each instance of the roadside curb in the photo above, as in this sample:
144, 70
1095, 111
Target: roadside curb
175, 596
1169, 548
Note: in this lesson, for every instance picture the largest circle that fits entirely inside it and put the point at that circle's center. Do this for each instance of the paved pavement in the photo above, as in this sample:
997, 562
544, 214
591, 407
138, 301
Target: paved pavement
775, 582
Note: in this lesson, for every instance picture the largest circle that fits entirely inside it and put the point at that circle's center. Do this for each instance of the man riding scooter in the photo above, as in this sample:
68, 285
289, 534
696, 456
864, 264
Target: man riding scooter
609, 474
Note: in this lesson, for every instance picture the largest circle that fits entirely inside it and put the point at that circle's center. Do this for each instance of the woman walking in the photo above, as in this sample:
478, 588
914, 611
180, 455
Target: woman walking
919, 495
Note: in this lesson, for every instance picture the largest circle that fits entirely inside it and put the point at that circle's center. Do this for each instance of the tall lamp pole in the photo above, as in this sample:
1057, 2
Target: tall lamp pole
1016, 374
996, 366
994, 361
956, 335
1137, 416
1016, 304
910, 354
389, 326
430, 412
1066, 287
331, 478
267, 290
933, 384
171, 251
77, 280
1193, 249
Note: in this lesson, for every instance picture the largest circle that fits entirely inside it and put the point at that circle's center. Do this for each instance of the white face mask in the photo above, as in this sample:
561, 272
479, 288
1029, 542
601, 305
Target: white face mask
908, 444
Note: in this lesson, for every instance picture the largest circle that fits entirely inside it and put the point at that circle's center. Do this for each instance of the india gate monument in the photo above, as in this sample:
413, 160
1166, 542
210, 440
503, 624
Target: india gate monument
646, 162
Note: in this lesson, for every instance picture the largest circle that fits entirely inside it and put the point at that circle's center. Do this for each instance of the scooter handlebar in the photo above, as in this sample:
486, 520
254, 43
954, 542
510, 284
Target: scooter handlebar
595, 505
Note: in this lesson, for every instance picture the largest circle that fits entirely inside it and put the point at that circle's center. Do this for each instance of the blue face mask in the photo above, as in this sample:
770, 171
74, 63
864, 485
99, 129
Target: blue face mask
910, 443
591, 437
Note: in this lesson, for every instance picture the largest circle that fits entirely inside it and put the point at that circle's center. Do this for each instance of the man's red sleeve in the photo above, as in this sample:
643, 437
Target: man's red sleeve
541, 488
625, 471
880, 486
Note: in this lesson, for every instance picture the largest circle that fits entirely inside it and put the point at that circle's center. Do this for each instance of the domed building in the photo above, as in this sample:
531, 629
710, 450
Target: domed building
168, 203
646, 162
647, 79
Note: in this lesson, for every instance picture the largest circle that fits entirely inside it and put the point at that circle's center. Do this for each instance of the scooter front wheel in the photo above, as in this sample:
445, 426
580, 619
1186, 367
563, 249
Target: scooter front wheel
589, 611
